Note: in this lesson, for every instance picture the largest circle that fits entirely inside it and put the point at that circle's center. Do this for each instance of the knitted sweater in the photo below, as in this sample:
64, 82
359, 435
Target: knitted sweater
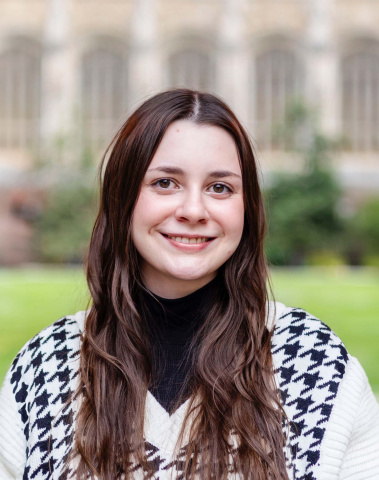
325, 393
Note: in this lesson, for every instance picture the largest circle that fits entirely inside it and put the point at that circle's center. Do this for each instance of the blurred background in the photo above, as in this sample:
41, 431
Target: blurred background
302, 75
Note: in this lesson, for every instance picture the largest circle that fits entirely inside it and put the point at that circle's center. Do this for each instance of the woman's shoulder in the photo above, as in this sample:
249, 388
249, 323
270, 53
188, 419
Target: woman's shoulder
307, 353
296, 331
54, 349
67, 329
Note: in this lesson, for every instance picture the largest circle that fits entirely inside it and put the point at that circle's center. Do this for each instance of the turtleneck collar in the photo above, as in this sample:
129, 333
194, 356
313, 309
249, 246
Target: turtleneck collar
179, 318
172, 325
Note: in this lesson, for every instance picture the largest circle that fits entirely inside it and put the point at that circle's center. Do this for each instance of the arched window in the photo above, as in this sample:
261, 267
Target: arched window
360, 101
104, 94
190, 68
20, 77
278, 83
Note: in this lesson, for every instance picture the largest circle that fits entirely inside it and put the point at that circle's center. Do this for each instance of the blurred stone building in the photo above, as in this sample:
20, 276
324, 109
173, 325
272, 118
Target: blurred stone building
75, 68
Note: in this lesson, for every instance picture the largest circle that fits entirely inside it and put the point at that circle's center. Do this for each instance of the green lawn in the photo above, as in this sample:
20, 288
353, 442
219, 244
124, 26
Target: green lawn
347, 300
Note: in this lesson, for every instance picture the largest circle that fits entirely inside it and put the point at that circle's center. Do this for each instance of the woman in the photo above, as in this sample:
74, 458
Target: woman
170, 374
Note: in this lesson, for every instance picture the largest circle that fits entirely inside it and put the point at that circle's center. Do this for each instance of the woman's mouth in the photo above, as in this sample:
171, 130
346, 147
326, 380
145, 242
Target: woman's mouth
180, 239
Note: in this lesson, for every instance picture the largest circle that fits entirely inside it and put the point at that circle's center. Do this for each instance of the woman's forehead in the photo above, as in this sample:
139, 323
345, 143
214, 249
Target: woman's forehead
187, 145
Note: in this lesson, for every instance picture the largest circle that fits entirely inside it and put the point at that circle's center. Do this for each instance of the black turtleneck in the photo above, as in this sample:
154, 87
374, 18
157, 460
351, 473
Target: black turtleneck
172, 325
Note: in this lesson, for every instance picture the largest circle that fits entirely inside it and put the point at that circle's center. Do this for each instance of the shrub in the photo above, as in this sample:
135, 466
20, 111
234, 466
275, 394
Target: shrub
325, 258
303, 218
64, 227
302, 208
362, 244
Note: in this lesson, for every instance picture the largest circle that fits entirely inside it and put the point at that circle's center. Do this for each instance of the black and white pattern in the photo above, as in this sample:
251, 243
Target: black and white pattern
310, 362
44, 379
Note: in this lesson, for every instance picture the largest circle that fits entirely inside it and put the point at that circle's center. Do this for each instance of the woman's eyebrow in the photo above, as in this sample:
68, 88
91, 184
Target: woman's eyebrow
179, 171
169, 170
223, 174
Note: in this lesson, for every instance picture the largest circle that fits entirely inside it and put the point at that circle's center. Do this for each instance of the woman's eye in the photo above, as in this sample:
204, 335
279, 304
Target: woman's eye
164, 183
220, 188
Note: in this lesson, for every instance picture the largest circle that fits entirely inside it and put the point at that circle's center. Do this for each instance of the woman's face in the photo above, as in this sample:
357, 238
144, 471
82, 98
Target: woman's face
189, 216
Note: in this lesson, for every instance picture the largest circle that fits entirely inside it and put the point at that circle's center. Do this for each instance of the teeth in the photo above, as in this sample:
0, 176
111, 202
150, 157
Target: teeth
188, 240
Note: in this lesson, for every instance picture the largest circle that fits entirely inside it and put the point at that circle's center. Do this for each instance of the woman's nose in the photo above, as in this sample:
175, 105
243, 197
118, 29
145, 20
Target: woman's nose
192, 209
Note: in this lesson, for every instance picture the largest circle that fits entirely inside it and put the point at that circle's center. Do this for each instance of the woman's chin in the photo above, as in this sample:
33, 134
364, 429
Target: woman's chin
178, 284
188, 275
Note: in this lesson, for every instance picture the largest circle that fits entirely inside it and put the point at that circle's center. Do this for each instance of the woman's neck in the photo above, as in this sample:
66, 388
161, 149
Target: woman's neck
172, 288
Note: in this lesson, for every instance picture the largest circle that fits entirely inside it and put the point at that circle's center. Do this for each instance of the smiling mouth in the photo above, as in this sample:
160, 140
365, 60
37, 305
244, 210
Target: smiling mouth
188, 239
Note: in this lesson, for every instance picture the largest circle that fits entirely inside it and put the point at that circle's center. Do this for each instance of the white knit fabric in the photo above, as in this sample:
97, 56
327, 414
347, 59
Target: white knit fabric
350, 450
12, 440
326, 394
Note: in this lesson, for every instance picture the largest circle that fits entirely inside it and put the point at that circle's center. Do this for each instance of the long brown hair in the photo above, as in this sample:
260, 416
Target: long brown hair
232, 379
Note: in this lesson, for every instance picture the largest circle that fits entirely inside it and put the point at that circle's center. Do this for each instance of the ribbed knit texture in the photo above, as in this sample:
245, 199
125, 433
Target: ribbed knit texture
350, 449
325, 393
12, 440
172, 325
